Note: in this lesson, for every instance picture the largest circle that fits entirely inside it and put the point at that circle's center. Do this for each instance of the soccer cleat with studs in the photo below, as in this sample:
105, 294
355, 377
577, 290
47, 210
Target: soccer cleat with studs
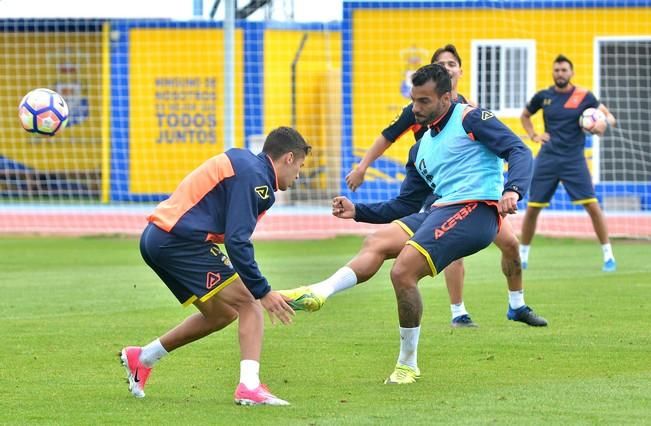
609, 266
137, 373
526, 315
303, 299
403, 375
257, 396
463, 321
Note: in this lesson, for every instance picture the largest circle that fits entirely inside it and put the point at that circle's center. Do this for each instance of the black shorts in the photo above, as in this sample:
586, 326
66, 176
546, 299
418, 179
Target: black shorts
191, 270
549, 170
447, 233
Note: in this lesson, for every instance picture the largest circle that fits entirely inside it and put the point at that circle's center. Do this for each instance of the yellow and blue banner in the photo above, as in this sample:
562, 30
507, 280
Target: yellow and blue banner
167, 86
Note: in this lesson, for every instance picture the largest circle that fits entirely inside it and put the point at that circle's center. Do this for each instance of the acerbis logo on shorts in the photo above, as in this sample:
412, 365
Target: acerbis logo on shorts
212, 279
454, 219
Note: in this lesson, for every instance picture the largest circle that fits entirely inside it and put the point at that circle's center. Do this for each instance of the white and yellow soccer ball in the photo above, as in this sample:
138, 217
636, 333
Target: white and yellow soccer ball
589, 119
44, 112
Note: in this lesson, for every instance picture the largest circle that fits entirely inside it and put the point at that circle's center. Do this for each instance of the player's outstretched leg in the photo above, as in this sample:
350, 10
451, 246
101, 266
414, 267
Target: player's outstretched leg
137, 372
526, 315
383, 244
303, 299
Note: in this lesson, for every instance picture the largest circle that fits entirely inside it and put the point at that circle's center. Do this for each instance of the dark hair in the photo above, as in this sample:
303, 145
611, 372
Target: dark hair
435, 73
447, 48
282, 140
563, 58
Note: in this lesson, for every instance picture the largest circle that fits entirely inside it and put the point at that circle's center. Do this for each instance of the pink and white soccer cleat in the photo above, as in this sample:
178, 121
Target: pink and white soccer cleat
137, 373
257, 396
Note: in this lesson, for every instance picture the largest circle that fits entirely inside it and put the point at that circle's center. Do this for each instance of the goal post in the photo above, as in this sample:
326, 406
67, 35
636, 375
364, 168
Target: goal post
147, 105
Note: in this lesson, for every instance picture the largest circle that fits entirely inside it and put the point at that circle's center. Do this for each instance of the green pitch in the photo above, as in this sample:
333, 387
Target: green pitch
68, 305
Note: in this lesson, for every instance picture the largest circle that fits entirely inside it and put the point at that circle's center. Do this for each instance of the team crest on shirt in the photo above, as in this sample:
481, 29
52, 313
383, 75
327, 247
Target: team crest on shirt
262, 191
485, 115
412, 59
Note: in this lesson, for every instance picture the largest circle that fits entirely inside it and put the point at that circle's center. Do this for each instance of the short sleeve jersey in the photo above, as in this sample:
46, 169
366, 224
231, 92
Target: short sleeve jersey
561, 112
406, 121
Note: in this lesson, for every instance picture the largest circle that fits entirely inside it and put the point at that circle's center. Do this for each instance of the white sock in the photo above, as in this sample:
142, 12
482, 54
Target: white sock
516, 299
524, 253
607, 249
152, 353
409, 346
458, 309
339, 281
250, 373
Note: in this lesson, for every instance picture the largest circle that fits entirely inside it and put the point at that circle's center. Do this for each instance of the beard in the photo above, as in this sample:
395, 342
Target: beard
421, 119
561, 84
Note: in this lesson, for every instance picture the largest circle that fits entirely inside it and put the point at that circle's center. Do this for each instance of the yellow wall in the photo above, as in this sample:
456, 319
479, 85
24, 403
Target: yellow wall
317, 78
384, 40
161, 152
32, 60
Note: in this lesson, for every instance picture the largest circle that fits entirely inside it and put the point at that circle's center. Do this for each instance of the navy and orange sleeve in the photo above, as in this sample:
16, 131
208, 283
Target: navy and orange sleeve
241, 220
500, 140
400, 125
535, 103
413, 191
592, 101
192, 189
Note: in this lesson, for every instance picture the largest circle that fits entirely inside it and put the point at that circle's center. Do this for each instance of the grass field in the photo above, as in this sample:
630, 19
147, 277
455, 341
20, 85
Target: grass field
68, 305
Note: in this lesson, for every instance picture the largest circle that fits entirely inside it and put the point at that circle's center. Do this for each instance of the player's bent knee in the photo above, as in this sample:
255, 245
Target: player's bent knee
217, 313
235, 294
397, 277
222, 320
402, 275
509, 246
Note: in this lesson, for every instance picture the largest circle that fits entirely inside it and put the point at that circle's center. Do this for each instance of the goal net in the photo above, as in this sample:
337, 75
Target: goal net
147, 105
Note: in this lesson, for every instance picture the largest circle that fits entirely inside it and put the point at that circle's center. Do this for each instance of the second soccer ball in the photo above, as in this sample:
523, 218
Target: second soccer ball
590, 117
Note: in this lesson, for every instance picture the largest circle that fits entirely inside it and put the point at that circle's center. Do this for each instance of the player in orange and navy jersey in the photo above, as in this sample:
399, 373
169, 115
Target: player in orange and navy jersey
219, 202
383, 246
561, 156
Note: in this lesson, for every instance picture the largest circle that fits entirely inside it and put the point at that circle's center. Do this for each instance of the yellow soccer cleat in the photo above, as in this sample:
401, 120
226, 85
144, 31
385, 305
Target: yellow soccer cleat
403, 375
303, 299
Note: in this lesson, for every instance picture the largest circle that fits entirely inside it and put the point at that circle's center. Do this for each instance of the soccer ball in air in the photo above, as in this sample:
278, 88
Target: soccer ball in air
43, 111
589, 119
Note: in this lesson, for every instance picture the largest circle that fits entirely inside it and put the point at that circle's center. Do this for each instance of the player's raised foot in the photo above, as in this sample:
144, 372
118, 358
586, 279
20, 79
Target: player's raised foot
303, 299
524, 265
137, 373
609, 266
403, 375
526, 315
463, 321
257, 396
